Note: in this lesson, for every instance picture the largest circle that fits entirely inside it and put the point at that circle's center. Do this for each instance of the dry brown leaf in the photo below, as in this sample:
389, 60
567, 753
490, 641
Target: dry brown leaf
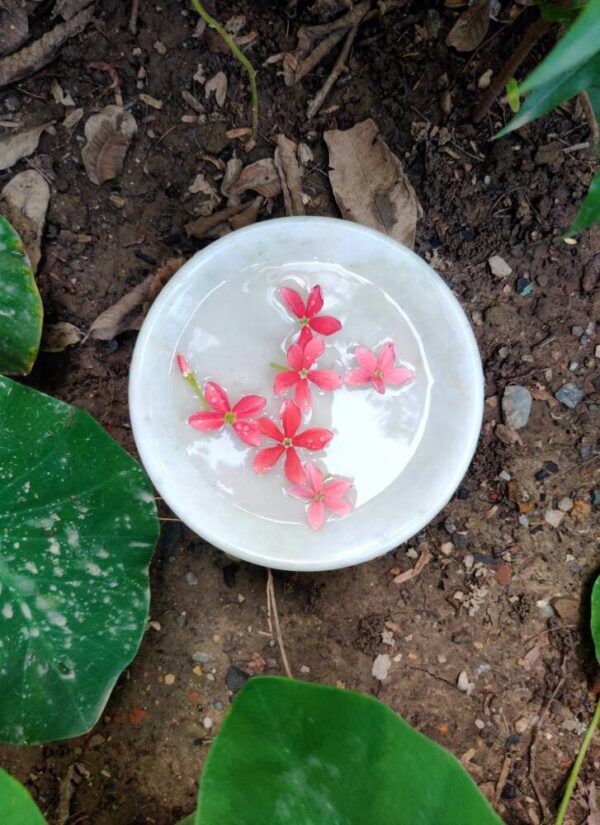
218, 85
24, 202
260, 177
57, 337
290, 176
151, 101
59, 94
192, 102
369, 183
19, 145
236, 134
73, 118
14, 26
421, 562
223, 221
201, 186
470, 28
39, 53
69, 8
128, 313
232, 172
108, 136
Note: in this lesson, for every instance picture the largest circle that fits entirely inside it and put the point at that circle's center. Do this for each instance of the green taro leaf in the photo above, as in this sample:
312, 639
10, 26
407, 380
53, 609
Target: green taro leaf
21, 309
512, 95
589, 209
16, 805
78, 526
578, 44
550, 95
291, 752
556, 14
596, 617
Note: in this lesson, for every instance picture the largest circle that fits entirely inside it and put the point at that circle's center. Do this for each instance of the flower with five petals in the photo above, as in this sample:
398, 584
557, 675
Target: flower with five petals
308, 313
323, 495
300, 360
378, 370
223, 414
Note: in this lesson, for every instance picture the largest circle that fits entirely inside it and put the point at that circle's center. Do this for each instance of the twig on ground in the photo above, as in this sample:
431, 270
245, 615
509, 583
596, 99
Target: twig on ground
318, 53
534, 740
133, 17
65, 796
502, 777
274, 616
590, 117
319, 98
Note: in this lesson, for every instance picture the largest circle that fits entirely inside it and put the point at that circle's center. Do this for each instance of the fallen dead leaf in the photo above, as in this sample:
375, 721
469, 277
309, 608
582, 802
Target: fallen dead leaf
260, 176
470, 28
594, 814
59, 94
234, 134
108, 136
25, 62
24, 202
69, 8
218, 85
235, 24
290, 176
15, 26
192, 102
421, 562
150, 101
201, 186
232, 172
200, 75
73, 118
128, 313
57, 337
19, 145
369, 183
225, 220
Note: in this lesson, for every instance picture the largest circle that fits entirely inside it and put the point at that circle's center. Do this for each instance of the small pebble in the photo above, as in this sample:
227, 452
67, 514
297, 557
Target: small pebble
469, 561
381, 666
460, 541
463, 683
236, 678
570, 395
521, 725
504, 475
191, 579
304, 669
554, 517
516, 406
479, 724
565, 504
202, 658
446, 548
499, 267
485, 79
207, 722
218, 705
160, 47
170, 679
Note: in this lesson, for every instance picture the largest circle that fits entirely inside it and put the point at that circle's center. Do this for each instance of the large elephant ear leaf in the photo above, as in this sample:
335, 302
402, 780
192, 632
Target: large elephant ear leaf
596, 617
21, 309
78, 526
16, 805
291, 752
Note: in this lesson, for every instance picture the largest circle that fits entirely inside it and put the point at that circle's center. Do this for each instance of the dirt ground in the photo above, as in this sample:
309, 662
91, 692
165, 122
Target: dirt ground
487, 602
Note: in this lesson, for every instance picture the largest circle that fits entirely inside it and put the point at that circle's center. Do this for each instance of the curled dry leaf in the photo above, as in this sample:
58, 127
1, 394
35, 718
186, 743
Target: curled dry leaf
261, 177
413, 572
19, 145
57, 337
218, 85
14, 26
470, 28
201, 186
128, 313
39, 53
24, 202
369, 183
290, 176
232, 172
225, 220
192, 102
151, 101
73, 118
108, 136
59, 94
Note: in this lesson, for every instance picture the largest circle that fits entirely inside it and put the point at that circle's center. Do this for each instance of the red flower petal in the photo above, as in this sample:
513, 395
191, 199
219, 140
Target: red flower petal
265, 460
302, 396
315, 438
325, 379
217, 397
184, 365
314, 303
313, 349
284, 380
386, 357
205, 421
290, 418
378, 384
397, 376
302, 491
314, 476
292, 301
249, 406
358, 378
270, 429
335, 489
366, 359
304, 337
339, 506
315, 515
294, 471
248, 432
325, 324
294, 357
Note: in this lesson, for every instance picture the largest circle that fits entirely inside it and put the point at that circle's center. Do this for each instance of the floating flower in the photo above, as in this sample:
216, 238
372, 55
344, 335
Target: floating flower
223, 414
310, 320
300, 360
323, 495
378, 370
315, 438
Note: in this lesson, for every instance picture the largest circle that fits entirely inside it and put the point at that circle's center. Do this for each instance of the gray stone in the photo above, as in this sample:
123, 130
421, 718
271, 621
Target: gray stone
516, 406
191, 579
570, 395
499, 267
554, 517
202, 658
565, 504
236, 678
381, 666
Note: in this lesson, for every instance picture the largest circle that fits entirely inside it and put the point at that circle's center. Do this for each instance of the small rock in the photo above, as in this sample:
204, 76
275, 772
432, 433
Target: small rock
381, 666
524, 287
516, 406
554, 517
565, 504
521, 725
469, 561
191, 579
235, 678
11, 103
596, 497
446, 548
207, 722
499, 267
463, 684
504, 574
479, 724
566, 608
305, 669
160, 47
218, 705
485, 79
170, 679
202, 658
570, 395
597, 351
577, 331
449, 525
460, 541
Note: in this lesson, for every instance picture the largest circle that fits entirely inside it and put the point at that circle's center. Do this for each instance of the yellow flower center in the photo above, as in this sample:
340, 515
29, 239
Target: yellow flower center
304, 322
377, 374
287, 443
229, 417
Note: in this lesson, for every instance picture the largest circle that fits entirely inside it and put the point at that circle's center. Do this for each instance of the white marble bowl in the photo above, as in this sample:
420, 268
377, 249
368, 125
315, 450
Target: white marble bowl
406, 450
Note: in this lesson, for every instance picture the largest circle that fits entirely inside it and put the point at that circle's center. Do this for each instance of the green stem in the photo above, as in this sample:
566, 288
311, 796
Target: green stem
237, 53
574, 775
191, 379
279, 367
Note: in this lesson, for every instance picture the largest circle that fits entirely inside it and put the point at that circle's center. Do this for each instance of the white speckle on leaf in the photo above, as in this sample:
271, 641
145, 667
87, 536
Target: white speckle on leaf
54, 547
25, 610
7, 611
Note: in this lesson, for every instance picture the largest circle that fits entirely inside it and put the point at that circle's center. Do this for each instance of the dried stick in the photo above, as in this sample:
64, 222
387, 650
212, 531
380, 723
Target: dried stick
322, 50
319, 98
586, 106
534, 33
133, 17
355, 15
272, 612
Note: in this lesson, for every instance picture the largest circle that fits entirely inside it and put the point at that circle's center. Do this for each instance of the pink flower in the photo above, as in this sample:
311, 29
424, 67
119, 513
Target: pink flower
322, 496
184, 365
307, 313
313, 439
301, 360
223, 413
378, 370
